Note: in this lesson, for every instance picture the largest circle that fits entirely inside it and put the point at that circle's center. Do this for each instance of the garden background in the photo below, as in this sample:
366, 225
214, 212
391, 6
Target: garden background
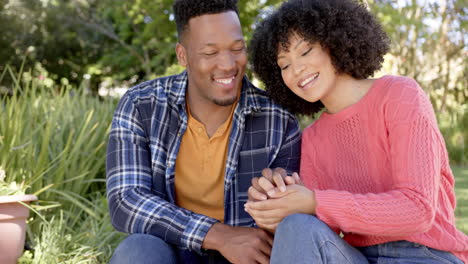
63, 64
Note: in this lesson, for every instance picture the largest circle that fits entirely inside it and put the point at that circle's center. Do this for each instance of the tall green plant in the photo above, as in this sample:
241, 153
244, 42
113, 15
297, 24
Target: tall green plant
54, 141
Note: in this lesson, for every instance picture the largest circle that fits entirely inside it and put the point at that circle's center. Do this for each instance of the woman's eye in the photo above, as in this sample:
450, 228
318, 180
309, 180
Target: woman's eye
284, 67
307, 52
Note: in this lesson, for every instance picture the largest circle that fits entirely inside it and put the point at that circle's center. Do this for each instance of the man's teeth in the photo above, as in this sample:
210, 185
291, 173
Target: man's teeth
306, 81
225, 81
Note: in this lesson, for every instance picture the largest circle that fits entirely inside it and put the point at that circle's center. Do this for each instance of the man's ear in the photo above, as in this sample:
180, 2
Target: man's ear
181, 54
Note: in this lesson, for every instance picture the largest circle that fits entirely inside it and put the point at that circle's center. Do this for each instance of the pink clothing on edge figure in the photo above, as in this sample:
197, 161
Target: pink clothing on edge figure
380, 170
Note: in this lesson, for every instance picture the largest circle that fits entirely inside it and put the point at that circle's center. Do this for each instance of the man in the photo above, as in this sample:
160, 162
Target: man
183, 149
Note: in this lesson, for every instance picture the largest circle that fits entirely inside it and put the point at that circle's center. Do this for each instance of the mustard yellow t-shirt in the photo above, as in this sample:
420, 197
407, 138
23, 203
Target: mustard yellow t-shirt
200, 168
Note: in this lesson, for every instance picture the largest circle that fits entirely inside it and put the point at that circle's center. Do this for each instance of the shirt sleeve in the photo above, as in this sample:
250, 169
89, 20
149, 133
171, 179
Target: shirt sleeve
134, 205
409, 206
289, 154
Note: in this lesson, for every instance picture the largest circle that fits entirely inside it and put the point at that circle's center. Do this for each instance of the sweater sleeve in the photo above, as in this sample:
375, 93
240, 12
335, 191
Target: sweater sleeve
408, 206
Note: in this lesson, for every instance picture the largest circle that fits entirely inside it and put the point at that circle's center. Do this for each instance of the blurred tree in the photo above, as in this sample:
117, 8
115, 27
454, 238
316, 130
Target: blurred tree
96, 40
428, 44
144, 33
133, 40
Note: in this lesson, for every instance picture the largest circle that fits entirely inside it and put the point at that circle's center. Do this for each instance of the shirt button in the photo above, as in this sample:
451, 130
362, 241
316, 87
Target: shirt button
200, 129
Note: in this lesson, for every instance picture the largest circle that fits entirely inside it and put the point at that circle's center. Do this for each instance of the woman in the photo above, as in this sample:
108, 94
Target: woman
374, 165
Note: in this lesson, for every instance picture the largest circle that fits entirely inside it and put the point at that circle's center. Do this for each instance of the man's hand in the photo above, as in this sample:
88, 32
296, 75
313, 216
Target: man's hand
269, 213
240, 244
272, 182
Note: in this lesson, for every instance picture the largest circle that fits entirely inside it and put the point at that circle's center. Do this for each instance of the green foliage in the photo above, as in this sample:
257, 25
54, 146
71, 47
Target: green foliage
11, 188
119, 39
53, 139
461, 191
67, 238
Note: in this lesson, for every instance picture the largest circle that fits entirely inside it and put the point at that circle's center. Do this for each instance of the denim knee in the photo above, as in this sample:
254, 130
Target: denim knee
143, 248
302, 224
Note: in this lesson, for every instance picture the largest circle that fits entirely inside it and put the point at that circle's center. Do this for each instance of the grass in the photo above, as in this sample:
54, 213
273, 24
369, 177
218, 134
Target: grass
461, 190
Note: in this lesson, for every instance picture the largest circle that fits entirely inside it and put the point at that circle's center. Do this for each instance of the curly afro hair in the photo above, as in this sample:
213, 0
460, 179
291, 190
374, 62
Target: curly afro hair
353, 38
184, 10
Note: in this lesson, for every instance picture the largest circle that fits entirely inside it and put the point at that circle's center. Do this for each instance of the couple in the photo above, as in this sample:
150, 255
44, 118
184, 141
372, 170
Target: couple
189, 155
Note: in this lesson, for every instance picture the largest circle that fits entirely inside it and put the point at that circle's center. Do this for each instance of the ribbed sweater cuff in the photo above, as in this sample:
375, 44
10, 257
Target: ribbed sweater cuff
331, 207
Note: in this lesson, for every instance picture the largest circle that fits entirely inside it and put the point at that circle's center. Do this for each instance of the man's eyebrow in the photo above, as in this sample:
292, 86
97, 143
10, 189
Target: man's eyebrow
214, 44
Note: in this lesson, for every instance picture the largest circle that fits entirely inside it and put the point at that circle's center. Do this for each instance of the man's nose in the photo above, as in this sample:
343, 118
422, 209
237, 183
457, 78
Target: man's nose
227, 61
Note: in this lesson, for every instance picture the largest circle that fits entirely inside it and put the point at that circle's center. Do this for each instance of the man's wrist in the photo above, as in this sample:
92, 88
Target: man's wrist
215, 236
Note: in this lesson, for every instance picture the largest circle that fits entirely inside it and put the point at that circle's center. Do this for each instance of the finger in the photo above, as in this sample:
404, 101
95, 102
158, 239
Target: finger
281, 172
255, 195
266, 243
268, 174
279, 182
261, 258
261, 205
278, 195
267, 217
267, 186
269, 239
297, 179
264, 220
289, 180
255, 184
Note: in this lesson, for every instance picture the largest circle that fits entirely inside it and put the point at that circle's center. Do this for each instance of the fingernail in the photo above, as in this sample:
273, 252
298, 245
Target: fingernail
282, 188
271, 192
263, 197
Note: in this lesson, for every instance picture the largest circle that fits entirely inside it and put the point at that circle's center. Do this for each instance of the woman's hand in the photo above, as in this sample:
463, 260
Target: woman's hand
269, 213
272, 182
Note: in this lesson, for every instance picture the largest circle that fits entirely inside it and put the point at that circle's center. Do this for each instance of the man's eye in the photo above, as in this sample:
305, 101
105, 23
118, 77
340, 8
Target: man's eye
238, 49
209, 53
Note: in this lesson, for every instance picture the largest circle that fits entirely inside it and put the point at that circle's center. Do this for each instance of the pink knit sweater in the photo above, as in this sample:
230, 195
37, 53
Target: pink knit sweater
380, 170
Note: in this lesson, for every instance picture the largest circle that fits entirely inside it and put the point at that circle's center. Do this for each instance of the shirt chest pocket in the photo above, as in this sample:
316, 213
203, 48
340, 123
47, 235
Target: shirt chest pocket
251, 163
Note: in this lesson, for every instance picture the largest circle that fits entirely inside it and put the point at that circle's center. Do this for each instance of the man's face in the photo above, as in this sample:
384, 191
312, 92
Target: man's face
213, 51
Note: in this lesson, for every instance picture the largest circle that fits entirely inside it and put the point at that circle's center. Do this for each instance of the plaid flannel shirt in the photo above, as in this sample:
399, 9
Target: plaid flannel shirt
146, 132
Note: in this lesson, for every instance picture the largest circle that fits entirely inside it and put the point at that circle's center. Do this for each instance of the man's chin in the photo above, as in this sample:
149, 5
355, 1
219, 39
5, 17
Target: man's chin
226, 101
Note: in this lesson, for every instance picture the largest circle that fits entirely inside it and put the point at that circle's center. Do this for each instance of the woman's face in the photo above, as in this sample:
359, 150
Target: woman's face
307, 69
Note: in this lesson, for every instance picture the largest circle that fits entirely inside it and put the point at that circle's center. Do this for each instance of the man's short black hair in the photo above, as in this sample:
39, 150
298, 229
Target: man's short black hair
184, 10
352, 36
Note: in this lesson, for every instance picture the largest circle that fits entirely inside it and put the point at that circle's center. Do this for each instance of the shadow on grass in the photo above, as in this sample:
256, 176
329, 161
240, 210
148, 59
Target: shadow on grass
461, 190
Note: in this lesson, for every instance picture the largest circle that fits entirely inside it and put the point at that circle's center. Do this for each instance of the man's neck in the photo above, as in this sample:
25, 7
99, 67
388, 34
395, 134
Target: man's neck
211, 115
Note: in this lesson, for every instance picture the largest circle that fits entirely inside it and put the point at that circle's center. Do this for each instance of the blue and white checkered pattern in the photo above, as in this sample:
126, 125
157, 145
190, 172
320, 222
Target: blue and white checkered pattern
147, 129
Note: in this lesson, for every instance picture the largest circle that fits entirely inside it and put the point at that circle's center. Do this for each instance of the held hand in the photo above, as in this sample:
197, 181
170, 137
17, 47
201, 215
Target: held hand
270, 183
240, 244
269, 213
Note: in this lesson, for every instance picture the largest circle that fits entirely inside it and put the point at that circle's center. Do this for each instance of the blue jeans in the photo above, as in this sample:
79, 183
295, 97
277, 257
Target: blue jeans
302, 238
146, 249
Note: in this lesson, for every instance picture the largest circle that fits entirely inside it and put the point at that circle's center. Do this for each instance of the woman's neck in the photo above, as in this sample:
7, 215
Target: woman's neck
347, 91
